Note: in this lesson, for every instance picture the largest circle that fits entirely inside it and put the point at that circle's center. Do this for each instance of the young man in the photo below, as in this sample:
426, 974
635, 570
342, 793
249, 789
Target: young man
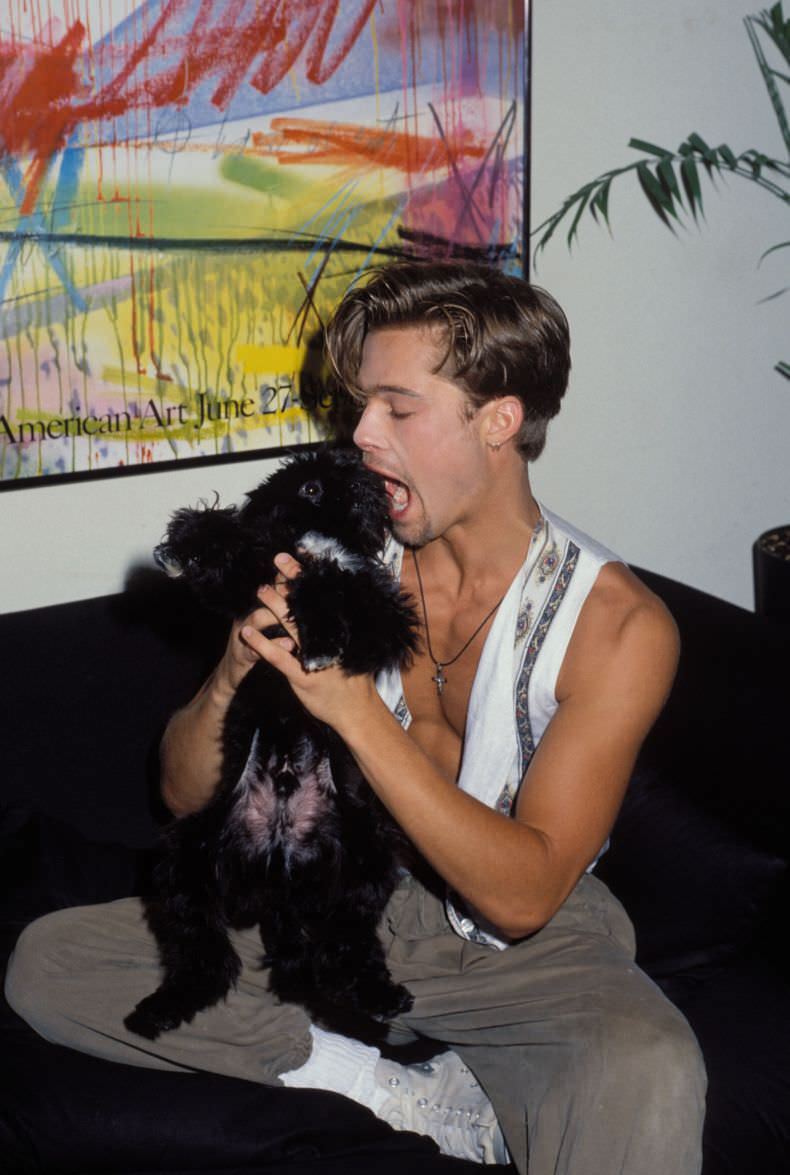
503, 751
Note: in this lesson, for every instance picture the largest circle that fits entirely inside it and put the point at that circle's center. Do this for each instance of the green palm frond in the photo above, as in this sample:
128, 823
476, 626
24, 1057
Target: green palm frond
777, 29
671, 180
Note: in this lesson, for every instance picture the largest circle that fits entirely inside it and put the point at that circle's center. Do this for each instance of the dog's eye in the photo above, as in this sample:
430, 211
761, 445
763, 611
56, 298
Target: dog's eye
312, 490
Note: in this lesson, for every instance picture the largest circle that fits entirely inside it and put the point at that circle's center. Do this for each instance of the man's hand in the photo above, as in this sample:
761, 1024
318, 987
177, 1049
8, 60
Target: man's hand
241, 653
191, 750
330, 694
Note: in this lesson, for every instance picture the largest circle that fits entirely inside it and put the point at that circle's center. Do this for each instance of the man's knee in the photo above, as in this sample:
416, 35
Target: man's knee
34, 955
653, 1060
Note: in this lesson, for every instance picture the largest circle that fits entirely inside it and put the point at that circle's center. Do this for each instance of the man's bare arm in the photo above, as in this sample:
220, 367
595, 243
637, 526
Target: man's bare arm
615, 678
191, 750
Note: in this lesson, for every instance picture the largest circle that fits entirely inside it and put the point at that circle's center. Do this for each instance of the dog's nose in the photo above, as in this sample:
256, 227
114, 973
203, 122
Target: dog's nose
163, 559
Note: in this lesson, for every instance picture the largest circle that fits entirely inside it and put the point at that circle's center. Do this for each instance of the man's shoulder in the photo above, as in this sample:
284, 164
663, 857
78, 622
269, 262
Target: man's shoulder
616, 595
621, 606
621, 620
619, 594
561, 529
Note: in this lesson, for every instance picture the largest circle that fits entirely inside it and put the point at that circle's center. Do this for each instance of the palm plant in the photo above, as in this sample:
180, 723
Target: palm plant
670, 180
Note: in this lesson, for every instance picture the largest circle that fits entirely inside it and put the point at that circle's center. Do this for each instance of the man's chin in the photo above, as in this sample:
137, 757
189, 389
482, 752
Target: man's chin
411, 534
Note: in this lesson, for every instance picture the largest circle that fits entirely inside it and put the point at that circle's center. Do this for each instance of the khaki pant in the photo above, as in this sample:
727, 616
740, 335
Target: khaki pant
589, 1067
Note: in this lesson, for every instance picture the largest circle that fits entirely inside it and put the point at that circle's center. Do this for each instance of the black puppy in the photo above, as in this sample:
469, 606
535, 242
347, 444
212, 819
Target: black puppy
294, 840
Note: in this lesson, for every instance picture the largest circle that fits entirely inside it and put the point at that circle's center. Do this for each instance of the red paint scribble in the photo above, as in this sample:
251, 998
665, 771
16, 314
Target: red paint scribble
342, 143
44, 96
35, 104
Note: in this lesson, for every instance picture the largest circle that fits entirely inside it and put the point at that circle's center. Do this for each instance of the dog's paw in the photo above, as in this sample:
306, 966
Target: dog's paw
383, 635
153, 1016
356, 618
393, 1004
379, 998
318, 661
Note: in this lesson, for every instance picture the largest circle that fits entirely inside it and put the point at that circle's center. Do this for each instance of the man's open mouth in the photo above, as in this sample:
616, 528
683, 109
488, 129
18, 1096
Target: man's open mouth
398, 495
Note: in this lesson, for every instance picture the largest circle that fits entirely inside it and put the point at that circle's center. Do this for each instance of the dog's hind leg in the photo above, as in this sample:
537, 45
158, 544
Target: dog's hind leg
200, 967
348, 960
199, 963
289, 949
352, 972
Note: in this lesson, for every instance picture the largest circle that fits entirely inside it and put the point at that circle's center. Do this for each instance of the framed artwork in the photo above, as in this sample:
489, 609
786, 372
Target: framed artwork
188, 186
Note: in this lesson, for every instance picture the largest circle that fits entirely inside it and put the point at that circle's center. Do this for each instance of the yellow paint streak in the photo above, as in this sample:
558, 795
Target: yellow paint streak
294, 80
145, 383
272, 359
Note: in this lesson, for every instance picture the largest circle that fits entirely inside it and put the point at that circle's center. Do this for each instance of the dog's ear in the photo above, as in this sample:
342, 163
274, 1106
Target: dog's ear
206, 548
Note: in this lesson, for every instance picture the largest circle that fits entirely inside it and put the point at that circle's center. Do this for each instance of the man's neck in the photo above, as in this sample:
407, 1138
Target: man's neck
488, 548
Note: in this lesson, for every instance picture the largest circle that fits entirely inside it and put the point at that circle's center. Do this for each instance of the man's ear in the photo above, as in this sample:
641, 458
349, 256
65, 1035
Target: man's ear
504, 420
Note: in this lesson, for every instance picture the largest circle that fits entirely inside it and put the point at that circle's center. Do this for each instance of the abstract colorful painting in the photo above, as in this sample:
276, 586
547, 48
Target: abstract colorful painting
188, 186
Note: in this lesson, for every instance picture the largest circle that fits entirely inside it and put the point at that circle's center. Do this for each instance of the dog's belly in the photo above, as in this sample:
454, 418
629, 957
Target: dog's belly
280, 809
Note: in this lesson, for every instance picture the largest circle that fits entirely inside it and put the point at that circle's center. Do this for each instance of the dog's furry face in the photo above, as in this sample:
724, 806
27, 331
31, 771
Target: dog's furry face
330, 492
225, 555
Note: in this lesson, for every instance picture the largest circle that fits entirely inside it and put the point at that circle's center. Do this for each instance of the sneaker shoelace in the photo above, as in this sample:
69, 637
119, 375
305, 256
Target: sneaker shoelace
442, 1099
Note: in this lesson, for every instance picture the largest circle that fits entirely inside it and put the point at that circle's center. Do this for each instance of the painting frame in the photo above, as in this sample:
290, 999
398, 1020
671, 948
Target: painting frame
140, 364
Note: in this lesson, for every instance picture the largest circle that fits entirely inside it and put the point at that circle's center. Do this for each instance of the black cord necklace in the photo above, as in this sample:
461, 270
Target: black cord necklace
440, 677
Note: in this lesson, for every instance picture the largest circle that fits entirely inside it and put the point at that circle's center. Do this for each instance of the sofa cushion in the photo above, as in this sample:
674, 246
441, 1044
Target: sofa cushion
66, 1112
722, 737
740, 1016
699, 854
86, 691
696, 890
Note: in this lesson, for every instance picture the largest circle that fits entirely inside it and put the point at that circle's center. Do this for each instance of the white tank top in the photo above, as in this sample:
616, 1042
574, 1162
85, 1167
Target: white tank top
513, 696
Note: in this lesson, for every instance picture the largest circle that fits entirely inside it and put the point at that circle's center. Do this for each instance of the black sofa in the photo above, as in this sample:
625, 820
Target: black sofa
699, 857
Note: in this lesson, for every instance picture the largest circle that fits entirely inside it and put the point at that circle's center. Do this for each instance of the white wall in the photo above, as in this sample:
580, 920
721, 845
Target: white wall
673, 444
79, 540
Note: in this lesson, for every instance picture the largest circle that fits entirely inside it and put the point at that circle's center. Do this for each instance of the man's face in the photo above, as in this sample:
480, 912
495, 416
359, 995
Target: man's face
416, 433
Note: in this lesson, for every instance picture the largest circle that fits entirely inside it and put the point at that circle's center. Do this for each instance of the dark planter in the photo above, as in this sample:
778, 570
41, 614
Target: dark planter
771, 553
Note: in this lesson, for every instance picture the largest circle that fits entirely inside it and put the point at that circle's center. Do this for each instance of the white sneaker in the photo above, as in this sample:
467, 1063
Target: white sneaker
442, 1099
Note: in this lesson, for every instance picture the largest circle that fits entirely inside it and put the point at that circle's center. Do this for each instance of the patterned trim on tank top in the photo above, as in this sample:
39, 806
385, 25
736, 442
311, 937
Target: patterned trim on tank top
401, 712
526, 740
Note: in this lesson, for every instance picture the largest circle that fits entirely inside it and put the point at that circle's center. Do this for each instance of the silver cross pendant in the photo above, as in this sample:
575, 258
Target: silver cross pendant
439, 678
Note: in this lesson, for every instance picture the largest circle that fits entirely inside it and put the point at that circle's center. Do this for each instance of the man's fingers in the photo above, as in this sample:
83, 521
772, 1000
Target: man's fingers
287, 565
275, 599
279, 652
288, 568
256, 641
261, 618
274, 608
274, 602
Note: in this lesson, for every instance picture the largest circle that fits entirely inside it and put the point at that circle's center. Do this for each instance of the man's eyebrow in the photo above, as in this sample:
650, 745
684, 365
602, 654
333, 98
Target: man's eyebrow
393, 389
